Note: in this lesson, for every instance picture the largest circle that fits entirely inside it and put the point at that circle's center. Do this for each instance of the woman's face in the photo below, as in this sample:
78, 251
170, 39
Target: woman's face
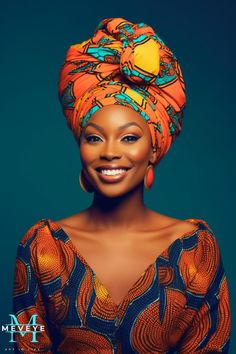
115, 150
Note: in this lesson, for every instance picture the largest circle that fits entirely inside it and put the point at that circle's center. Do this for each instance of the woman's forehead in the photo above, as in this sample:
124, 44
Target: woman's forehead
117, 116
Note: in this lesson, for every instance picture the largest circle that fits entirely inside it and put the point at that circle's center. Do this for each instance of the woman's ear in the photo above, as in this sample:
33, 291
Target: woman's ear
153, 156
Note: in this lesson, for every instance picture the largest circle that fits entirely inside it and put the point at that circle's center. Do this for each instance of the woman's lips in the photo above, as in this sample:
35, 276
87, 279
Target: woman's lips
112, 178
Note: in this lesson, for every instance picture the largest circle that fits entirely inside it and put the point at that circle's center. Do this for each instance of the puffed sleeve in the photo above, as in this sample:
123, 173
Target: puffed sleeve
209, 331
28, 300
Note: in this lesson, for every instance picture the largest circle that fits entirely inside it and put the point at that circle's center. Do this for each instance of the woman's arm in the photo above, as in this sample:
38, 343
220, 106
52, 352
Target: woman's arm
209, 331
28, 305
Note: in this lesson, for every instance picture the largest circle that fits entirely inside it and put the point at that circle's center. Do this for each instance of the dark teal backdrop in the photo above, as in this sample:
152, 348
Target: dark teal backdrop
40, 160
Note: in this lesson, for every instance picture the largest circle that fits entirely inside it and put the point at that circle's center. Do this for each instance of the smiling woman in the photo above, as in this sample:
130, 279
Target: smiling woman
115, 146
119, 277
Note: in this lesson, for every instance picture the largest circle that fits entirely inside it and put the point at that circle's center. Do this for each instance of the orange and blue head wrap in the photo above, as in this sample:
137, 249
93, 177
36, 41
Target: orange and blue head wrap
127, 64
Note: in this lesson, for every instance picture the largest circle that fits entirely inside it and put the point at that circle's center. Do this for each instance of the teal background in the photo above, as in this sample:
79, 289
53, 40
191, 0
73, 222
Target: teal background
39, 156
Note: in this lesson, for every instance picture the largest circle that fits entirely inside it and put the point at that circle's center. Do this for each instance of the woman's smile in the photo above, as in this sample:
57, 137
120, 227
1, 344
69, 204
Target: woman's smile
112, 175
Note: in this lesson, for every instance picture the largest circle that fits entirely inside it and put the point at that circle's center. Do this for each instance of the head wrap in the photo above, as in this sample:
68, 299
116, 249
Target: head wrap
127, 64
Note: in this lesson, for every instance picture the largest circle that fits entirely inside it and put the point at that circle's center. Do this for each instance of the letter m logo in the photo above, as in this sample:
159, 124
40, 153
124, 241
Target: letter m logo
14, 322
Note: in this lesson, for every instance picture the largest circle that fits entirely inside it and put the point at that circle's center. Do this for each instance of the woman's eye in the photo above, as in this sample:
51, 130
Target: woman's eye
130, 138
92, 138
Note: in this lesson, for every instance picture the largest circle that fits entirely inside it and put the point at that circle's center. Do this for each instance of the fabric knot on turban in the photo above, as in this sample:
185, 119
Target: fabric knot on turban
127, 64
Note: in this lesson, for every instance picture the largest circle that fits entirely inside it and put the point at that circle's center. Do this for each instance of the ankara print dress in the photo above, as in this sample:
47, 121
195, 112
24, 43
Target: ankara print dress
179, 304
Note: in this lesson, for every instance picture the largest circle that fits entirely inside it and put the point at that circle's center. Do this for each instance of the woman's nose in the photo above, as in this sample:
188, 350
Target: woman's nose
110, 151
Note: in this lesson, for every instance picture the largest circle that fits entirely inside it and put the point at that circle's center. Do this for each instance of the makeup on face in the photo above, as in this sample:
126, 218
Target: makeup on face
115, 148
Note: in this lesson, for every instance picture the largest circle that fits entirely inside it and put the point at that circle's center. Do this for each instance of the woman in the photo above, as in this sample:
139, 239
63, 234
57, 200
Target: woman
119, 277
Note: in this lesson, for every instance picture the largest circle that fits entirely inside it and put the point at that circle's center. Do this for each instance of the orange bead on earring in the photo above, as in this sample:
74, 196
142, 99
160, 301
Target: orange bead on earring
149, 177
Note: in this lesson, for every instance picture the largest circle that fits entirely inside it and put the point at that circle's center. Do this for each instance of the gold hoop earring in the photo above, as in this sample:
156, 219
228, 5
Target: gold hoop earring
84, 184
149, 177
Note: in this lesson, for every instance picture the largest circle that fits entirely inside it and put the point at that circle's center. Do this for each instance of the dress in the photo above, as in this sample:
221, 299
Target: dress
179, 304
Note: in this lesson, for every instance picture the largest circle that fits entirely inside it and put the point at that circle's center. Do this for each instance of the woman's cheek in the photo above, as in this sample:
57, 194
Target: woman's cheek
139, 152
87, 153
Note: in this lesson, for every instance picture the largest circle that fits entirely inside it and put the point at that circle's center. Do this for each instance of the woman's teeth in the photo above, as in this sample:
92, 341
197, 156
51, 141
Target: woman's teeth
112, 172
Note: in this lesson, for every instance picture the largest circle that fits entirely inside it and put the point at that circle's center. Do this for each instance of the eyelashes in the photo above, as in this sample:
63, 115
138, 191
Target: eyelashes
92, 138
131, 138
128, 138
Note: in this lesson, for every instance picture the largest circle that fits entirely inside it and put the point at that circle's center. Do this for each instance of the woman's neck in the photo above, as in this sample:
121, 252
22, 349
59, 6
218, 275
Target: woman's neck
126, 211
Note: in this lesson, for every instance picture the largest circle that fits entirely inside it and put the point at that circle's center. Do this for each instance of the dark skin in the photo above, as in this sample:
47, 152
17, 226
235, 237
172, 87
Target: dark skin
118, 235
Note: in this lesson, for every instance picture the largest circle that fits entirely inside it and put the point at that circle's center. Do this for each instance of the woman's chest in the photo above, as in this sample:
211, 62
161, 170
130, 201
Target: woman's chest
153, 308
117, 264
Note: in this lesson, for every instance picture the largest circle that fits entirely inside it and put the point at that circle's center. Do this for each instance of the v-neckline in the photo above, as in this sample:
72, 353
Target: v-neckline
94, 275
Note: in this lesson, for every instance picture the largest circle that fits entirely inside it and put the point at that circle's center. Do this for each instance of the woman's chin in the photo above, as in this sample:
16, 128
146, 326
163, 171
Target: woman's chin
115, 190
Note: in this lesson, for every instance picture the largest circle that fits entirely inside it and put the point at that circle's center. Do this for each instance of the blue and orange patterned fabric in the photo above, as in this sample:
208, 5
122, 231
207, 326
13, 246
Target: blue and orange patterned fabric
180, 303
124, 63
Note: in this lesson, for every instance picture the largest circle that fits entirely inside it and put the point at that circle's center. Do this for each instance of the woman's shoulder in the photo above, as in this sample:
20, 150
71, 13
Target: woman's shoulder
202, 252
195, 234
39, 231
201, 234
199, 253
41, 249
41, 245
179, 226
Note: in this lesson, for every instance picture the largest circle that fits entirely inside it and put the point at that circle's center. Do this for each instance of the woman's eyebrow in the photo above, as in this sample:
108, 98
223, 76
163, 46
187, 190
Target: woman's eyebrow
129, 124
98, 127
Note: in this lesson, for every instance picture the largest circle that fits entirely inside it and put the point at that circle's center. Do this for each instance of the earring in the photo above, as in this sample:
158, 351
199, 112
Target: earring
149, 177
84, 184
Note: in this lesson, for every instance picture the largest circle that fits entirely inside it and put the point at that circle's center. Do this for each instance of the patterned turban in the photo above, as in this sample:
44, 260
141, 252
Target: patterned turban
126, 64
